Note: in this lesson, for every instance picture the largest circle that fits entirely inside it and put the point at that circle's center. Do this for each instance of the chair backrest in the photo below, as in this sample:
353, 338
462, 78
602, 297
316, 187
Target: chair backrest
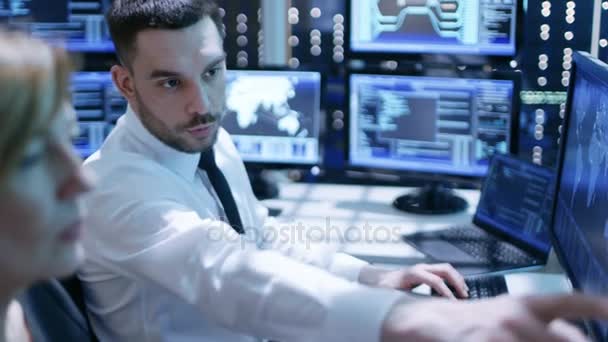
54, 314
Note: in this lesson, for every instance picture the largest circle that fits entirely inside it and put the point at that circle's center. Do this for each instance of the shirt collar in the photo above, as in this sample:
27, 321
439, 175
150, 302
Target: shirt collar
184, 164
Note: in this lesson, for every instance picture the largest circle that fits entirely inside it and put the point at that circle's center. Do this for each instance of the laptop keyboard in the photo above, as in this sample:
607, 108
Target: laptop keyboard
484, 246
484, 286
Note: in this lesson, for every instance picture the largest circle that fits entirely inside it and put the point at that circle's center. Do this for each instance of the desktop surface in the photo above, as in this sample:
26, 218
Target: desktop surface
359, 220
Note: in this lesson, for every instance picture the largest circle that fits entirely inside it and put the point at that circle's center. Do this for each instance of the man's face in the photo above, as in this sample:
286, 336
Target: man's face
178, 84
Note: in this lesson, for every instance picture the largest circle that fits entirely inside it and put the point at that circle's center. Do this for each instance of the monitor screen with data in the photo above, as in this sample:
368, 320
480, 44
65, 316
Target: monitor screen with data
76, 25
580, 222
274, 116
430, 124
98, 105
419, 26
517, 199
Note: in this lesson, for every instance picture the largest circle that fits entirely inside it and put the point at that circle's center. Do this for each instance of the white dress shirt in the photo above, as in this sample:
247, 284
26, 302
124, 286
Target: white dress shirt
162, 265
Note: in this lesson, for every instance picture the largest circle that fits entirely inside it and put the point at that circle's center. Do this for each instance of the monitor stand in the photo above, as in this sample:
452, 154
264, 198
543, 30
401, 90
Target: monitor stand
434, 198
264, 188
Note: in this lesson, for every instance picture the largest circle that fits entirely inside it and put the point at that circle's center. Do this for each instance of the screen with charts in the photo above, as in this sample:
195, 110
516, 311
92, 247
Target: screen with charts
76, 25
274, 116
98, 105
517, 198
580, 223
479, 27
427, 124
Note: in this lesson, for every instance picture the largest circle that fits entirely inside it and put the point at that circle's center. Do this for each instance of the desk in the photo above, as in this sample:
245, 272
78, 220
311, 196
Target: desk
361, 219
364, 224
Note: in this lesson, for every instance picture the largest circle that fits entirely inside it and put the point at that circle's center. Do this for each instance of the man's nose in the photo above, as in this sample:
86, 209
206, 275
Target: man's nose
199, 101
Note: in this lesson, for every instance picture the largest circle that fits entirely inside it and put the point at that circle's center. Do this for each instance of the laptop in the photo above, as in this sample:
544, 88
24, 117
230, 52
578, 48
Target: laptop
509, 228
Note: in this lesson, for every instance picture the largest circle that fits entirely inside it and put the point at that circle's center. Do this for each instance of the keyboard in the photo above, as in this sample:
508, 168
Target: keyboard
485, 247
486, 286
483, 286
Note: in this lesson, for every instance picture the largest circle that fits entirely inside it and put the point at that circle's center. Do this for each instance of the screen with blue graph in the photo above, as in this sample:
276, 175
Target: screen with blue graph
580, 224
274, 116
76, 25
429, 124
475, 27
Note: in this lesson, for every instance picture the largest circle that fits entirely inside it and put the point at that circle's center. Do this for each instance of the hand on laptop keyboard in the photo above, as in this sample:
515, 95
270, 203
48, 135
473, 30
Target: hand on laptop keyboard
482, 286
443, 278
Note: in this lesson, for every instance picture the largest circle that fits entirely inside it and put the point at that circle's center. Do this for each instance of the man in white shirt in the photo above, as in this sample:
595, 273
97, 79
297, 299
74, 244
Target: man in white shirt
175, 256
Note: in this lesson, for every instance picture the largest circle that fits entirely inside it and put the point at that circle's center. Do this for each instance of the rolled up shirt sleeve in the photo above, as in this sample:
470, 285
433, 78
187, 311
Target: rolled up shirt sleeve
263, 293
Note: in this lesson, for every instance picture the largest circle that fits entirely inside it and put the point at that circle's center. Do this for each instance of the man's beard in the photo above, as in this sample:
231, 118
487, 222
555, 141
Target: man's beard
172, 137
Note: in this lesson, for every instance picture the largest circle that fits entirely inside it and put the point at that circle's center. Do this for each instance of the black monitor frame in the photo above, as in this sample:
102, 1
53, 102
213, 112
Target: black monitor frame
456, 58
585, 61
287, 165
515, 77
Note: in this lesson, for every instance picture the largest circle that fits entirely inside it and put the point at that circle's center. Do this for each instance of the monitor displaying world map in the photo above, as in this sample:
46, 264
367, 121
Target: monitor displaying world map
274, 116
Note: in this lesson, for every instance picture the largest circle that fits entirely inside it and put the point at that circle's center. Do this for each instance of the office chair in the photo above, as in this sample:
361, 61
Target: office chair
56, 313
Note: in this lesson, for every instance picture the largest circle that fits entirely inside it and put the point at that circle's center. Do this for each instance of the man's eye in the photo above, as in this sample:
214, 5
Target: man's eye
212, 73
170, 84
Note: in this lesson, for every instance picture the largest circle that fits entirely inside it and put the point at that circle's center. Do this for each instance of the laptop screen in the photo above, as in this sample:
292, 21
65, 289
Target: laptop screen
580, 222
516, 200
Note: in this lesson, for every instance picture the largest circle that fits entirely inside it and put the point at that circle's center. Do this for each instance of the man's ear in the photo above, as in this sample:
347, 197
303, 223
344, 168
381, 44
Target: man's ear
123, 80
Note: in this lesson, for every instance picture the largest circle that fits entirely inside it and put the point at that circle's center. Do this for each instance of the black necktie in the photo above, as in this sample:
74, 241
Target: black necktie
221, 187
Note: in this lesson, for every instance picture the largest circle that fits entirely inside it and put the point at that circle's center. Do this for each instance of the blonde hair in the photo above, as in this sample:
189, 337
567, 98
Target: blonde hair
34, 79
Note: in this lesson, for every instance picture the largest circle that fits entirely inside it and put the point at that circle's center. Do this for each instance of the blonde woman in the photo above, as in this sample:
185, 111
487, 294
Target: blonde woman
40, 176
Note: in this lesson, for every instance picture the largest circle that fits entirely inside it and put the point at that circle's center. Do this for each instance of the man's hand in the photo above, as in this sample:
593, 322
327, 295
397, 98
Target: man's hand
499, 319
434, 276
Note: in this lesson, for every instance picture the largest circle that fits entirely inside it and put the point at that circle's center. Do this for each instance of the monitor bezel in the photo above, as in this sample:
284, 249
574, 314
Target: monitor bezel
350, 53
258, 165
515, 77
587, 63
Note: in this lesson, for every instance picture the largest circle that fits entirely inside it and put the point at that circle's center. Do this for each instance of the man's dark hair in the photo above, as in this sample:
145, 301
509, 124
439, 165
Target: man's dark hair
126, 18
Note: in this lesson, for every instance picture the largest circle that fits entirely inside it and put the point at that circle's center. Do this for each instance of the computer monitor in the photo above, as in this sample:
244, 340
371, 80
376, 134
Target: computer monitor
98, 105
580, 219
274, 116
76, 25
436, 127
472, 27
